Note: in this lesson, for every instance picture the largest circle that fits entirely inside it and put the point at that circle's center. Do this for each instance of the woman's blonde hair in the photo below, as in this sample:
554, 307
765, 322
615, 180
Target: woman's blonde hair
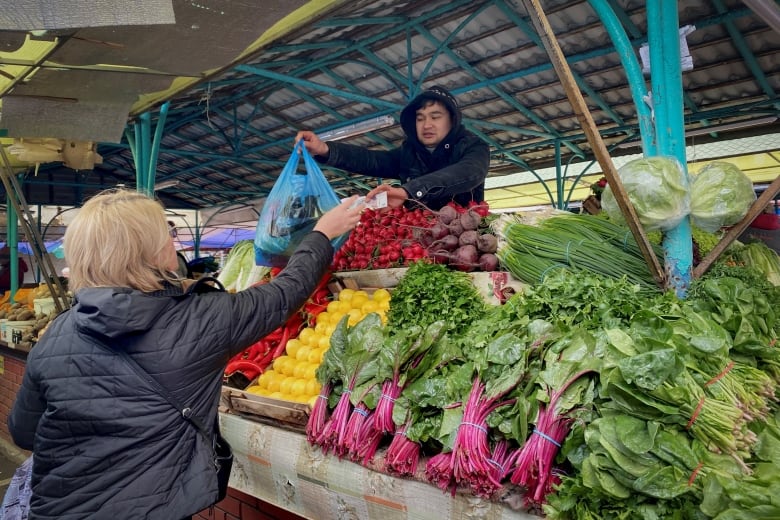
118, 239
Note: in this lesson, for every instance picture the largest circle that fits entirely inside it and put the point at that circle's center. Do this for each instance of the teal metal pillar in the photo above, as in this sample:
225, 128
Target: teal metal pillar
13, 246
666, 81
633, 71
146, 150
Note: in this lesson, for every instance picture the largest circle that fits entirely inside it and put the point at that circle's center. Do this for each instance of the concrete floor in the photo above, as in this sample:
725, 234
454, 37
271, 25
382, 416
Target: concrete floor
10, 458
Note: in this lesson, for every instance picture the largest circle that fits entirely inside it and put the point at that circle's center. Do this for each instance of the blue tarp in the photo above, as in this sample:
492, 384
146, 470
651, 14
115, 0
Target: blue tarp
219, 238
54, 247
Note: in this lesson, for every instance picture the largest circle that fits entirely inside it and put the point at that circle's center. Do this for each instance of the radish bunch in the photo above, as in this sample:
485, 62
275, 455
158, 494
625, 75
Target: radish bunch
461, 238
456, 236
384, 239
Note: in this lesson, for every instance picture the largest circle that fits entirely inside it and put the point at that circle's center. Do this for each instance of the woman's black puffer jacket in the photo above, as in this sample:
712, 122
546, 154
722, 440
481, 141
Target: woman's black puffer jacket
106, 444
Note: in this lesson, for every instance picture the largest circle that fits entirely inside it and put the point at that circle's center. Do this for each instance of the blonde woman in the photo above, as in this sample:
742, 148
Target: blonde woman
106, 444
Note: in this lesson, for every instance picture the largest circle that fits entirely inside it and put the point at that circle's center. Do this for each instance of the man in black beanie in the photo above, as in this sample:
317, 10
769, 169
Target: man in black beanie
439, 161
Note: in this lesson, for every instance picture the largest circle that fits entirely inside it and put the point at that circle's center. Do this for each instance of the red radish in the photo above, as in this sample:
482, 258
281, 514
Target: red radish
468, 237
488, 262
470, 219
487, 243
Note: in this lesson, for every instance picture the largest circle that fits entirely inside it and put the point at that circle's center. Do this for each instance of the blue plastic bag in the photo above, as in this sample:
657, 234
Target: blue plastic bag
16, 503
291, 210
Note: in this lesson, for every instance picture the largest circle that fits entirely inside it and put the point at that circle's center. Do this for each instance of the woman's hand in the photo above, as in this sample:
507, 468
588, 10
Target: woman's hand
312, 142
340, 219
395, 196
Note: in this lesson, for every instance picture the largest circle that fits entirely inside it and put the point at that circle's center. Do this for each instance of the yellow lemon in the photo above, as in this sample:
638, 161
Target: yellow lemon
355, 315
321, 327
312, 387
358, 300
274, 384
262, 380
254, 389
286, 385
369, 307
381, 295
305, 335
275, 395
333, 307
384, 305
311, 372
303, 353
336, 318
280, 363
324, 344
314, 355
298, 387
345, 295
312, 401
292, 347
323, 317
300, 368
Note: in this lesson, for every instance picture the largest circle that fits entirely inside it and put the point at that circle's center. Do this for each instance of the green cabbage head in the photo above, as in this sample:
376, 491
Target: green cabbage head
658, 189
721, 195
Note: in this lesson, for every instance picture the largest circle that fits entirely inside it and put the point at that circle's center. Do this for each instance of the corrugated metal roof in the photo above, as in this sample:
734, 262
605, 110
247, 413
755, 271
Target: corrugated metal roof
227, 138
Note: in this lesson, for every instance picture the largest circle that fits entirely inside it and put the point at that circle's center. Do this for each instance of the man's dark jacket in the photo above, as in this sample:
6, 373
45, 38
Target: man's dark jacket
454, 171
106, 444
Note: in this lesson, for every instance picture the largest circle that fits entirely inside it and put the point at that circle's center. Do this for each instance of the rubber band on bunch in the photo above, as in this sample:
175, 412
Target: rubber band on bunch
695, 414
498, 466
546, 437
720, 375
544, 273
385, 396
475, 425
360, 411
694, 473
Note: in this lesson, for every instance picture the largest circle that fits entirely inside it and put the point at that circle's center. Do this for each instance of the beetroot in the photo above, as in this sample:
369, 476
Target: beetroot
487, 243
448, 243
470, 219
465, 258
456, 228
468, 237
488, 262
447, 214
439, 231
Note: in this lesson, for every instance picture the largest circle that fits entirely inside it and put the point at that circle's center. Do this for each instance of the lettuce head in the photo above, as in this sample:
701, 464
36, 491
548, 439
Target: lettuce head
658, 189
721, 195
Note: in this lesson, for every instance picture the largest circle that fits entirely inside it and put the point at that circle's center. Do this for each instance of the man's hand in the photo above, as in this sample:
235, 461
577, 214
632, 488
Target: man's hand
395, 196
312, 142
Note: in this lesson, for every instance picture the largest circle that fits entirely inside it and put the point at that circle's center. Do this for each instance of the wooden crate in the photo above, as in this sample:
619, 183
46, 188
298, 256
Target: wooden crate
273, 411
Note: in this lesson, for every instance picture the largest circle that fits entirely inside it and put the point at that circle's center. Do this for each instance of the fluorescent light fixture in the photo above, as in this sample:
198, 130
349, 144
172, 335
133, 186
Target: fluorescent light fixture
166, 184
361, 127
731, 126
714, 129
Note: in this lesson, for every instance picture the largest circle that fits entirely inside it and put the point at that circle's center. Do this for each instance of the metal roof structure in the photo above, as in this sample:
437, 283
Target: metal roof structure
230, 119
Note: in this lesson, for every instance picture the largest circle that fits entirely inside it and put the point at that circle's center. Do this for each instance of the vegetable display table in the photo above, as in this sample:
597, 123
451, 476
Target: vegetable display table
280, 467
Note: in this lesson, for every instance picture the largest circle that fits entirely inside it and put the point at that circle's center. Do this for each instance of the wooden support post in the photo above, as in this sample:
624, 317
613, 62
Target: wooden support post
585, 118
732, 234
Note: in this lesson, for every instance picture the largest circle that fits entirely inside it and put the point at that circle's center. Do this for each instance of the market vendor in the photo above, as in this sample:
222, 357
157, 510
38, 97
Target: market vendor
438, 162
765, 228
